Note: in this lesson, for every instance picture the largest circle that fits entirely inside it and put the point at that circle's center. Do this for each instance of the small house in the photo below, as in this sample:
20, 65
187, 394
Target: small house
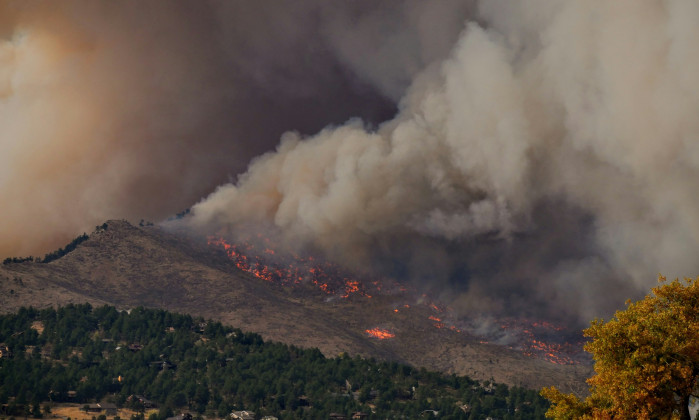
92, 408
108, 408
243, 415
467, 408
182, 416
135, 347
5, 351
141, 400
164, 365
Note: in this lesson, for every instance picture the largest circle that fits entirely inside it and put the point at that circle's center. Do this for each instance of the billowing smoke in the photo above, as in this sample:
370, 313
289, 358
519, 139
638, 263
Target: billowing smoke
549, 164
536, 156
123, 110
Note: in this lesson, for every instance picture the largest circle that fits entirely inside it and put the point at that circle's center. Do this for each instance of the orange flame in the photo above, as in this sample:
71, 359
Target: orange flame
532, 346
324, 275
380, 333
332, 280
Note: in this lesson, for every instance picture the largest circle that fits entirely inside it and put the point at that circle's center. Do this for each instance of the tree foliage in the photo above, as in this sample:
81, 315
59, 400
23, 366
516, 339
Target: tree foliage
646, 360
52, 256
85, 354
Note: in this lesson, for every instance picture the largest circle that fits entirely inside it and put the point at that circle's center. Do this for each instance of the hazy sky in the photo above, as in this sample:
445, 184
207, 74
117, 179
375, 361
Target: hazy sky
137, 110
539, 156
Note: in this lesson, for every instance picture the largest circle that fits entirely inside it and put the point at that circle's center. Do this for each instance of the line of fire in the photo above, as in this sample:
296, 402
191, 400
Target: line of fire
532, 338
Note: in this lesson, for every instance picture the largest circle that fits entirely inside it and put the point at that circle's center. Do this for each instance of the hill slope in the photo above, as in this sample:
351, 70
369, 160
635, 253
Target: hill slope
128, 266
181, 362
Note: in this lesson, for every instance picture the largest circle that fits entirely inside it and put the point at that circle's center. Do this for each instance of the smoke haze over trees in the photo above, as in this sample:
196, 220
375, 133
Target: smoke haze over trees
543, 156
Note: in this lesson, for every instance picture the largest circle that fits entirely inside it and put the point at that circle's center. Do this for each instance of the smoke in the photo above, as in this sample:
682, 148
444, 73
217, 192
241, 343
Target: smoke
548, 165
124, 110
534, 157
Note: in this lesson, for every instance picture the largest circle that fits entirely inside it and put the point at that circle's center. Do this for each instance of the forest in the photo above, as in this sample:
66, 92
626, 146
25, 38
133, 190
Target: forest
84, 354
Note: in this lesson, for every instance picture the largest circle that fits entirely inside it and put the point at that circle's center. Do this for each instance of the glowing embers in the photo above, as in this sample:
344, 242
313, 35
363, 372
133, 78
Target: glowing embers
272, 264
437, 322
288, 269
543, 340
380, 333
444, 315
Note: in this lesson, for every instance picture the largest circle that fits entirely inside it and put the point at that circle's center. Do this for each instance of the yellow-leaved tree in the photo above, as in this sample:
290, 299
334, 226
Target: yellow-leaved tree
646, 360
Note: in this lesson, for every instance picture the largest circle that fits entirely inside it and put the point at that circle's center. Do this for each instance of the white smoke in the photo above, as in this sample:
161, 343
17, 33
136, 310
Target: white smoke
565, 126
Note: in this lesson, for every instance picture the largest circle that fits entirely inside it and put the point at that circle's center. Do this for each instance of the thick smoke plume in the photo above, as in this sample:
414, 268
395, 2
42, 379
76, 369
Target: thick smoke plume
549, 164
535, 157
125, 110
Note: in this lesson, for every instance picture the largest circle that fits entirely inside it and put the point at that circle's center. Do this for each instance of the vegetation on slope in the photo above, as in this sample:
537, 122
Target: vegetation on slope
83, 354
54, 255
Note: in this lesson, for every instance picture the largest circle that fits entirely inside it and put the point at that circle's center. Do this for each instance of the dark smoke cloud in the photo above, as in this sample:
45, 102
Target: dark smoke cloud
535, 157
136, 110
547, 166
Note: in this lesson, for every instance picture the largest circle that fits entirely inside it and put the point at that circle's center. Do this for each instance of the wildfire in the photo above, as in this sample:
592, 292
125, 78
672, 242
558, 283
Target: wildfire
534, 338
380, 333
293, 270
548, 325
542, 339
351, 286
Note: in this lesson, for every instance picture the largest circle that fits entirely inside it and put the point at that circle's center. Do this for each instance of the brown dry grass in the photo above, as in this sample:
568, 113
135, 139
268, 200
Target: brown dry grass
128, 266
75, 412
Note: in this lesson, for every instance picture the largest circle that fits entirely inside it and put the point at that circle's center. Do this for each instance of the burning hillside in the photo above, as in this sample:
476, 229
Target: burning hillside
130, 266
540, 339
261, 259
380, 333
293, 270
530, 159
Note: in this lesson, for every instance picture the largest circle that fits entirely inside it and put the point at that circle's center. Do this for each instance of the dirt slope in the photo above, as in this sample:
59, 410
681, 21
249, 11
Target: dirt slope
127, 266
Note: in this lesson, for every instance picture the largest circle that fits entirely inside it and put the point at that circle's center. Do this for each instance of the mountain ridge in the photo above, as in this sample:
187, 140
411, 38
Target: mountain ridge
127, 266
